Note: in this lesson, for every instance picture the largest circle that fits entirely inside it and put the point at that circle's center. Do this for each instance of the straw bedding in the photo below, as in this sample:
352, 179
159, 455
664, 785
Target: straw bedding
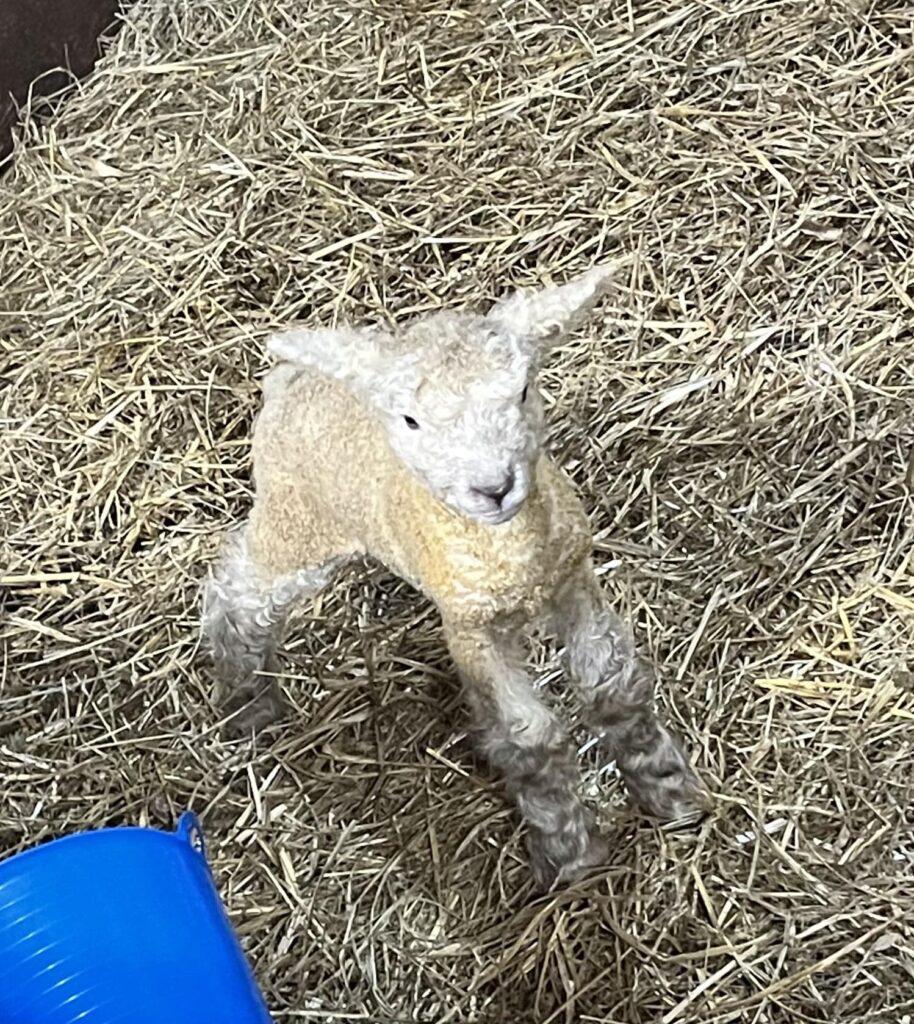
737, 418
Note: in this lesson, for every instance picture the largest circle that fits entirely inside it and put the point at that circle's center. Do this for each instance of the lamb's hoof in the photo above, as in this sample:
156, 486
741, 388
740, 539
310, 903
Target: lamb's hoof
547, 872
251, 708
680, 800
594, 857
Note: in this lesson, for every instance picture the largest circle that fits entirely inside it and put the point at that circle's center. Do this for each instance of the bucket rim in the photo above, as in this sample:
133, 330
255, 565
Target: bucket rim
187, 832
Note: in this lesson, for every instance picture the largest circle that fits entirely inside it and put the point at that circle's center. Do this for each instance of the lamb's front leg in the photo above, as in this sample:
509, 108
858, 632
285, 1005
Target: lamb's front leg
244, 607
525, 742
618, 689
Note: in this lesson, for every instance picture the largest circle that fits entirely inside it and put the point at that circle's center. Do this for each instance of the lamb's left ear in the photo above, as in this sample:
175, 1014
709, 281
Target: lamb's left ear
546, 315
368, 359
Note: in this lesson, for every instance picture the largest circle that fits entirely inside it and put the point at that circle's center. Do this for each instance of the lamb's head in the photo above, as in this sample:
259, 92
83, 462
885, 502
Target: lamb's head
456, 392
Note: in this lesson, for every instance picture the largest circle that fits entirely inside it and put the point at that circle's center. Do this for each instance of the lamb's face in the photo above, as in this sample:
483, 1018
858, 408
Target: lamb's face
456, 391
468, 421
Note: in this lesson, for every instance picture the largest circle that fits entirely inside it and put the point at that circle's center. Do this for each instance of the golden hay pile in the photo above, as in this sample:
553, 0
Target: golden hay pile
738, 418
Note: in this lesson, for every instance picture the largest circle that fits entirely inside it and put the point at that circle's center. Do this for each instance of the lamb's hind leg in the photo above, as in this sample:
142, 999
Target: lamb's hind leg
244, 607
618, 688
524, 741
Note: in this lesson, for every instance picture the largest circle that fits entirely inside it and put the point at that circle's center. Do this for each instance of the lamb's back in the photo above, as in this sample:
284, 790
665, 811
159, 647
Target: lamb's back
319, 452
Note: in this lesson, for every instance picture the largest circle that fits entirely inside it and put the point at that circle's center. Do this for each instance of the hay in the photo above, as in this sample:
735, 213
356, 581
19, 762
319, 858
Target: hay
739, 423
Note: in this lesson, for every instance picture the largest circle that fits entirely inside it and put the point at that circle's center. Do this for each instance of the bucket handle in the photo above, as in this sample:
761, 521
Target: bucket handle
190, 830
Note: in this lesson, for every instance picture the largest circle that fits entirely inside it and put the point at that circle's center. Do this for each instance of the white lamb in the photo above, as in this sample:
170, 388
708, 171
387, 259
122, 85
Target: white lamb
423, 449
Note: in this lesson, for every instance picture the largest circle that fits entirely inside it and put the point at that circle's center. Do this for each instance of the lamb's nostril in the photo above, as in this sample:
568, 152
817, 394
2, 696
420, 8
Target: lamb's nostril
497, 493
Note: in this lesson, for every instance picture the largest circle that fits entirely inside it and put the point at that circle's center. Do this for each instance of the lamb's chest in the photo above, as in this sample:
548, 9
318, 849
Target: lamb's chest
511, 577
478, 573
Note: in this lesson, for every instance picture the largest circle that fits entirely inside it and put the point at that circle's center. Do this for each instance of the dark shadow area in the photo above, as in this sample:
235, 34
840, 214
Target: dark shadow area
50, 43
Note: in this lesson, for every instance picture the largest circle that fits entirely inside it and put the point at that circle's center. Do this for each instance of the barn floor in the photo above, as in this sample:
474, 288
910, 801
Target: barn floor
738, 418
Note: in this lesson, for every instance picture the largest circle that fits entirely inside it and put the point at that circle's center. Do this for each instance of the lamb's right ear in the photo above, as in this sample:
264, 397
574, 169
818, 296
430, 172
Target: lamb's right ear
366, 358
546, 315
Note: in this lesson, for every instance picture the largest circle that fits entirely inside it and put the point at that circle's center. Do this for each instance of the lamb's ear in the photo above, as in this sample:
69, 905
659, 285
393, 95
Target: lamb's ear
548, 314
367, 359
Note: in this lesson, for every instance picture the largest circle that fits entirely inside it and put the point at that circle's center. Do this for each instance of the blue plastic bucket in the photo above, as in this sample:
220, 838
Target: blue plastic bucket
120, 925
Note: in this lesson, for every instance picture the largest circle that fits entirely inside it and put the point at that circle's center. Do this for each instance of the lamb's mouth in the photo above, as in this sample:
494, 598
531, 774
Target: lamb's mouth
492, 516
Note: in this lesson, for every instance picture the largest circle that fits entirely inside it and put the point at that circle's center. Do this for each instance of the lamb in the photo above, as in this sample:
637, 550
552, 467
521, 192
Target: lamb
423, 448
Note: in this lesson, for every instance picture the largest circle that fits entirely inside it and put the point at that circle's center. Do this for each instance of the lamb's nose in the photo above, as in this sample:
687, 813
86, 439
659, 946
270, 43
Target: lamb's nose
497, 493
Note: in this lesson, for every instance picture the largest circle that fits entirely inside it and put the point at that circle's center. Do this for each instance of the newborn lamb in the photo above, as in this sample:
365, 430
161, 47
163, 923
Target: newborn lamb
423, 449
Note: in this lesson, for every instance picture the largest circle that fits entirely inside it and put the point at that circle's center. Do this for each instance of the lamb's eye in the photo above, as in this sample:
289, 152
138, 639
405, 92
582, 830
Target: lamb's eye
523, 394
411, 423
